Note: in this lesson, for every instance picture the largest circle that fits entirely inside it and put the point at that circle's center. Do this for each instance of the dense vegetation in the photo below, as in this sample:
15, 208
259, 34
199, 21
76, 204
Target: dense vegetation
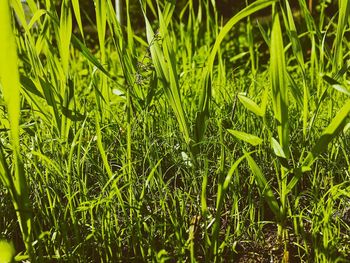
193, 137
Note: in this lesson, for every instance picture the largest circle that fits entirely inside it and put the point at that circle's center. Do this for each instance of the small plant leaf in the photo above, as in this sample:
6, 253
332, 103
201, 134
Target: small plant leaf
279, 152
336, 85
250, 105
246, 137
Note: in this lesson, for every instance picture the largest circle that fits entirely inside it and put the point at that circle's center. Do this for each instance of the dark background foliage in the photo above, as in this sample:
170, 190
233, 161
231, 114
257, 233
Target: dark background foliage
225, 8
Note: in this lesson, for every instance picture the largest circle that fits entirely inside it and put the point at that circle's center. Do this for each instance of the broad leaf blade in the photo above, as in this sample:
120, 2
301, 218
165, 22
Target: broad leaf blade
246, 137
251, 105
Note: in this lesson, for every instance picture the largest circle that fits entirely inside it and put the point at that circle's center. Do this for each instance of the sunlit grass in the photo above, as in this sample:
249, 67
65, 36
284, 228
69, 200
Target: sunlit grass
191, 138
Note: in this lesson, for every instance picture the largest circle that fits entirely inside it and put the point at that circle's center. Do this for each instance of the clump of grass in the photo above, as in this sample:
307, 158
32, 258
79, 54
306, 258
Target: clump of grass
169, 143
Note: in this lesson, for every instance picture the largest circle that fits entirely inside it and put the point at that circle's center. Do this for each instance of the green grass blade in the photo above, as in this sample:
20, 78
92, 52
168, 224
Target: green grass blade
203, 107
222, 189
76, 9
344, 11
264, 187
295, 91
164, 63
65, 33
293, 36
328, 134
249, 138
279, 84
336, 84
10, 86
251, 105
252, 8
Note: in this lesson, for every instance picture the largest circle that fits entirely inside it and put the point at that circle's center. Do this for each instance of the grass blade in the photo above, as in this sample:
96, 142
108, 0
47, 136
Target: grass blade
279, 84
344, 11
249, 138
251, 105
10, 85
328, 134
203, 107
164, 64
264, 187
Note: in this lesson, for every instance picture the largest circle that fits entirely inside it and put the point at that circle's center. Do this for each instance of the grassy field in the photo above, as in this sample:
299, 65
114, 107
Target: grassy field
190, 138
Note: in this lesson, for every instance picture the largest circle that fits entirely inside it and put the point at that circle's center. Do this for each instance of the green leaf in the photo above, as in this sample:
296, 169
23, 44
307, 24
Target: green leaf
279, 84
76, 10
279, 152
10, 88
250, 105
328, 134
249, 138
336, 84
7, 251
277, 148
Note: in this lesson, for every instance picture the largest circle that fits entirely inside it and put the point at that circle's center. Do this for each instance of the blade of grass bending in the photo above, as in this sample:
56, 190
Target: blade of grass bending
264, 187
252, 8
279, 84
203, 107
332, 130
336, 84
328, 134
10, 84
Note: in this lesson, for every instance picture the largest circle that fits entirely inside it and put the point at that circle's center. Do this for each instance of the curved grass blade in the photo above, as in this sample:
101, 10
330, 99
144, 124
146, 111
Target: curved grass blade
328, 134
252, 8
336, 85
264, 187
203, 107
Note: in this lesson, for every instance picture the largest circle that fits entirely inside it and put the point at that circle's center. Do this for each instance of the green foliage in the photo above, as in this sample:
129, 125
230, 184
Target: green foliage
160, 139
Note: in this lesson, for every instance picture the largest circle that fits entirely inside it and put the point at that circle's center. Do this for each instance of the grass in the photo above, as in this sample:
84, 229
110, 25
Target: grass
195, 138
